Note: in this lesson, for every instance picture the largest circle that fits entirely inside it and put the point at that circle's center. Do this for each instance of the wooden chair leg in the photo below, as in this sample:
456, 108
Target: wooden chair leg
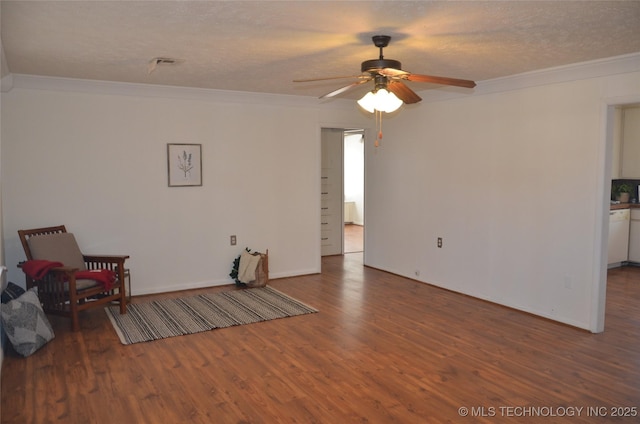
73, 303
75, 322
123, 277
123, 300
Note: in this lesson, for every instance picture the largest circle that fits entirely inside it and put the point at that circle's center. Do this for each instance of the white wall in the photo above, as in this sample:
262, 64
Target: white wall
512, 181
97, 163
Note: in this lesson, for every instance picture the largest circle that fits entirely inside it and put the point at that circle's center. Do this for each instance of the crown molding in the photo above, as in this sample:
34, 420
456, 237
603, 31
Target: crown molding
38, 82
574, 72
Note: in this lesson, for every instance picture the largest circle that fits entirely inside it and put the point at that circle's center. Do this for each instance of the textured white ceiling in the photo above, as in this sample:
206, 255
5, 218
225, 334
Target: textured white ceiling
261, 46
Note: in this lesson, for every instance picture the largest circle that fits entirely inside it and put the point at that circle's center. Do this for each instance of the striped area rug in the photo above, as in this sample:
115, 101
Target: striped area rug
160, 319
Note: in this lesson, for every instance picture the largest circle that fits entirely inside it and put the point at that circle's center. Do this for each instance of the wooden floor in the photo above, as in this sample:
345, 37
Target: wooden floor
353, 238
382, 349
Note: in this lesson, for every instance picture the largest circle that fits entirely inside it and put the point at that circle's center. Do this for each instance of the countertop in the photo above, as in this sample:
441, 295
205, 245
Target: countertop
625, 206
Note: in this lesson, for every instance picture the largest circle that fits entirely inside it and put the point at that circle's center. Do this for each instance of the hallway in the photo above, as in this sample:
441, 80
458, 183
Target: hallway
353, 238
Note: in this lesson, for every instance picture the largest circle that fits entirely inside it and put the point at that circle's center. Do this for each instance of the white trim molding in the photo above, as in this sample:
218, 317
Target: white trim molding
573, 72
153, 90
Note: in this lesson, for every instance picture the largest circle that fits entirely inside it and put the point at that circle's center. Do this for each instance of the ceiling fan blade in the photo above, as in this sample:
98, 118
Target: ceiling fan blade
403, 92
440, 80
330, 78
343, 89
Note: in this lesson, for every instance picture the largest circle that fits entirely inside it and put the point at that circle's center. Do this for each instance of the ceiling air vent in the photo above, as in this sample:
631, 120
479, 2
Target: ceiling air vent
153, 63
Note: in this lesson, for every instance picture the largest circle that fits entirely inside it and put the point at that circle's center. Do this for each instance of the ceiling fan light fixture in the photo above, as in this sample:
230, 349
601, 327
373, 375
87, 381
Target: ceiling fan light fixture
382, 101
368, 102
387, 73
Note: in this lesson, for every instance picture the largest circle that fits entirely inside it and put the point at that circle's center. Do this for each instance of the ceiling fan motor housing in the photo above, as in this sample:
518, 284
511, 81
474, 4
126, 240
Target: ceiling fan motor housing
377, 64
380, 81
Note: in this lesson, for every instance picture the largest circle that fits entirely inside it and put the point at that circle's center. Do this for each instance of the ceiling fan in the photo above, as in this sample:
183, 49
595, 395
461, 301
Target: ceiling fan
388, 74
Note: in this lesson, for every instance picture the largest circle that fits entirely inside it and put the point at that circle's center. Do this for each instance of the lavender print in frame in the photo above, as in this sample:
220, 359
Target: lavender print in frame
185, 164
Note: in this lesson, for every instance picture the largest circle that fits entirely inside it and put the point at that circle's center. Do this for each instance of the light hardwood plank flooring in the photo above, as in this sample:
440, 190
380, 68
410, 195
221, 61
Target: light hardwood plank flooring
382, 349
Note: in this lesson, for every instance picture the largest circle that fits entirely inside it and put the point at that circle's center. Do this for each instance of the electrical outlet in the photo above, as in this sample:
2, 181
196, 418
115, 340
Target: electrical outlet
233, 240
440, 242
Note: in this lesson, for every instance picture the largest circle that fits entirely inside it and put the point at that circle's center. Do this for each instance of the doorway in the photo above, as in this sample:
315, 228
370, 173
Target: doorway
353, 160
609, 170
342, 191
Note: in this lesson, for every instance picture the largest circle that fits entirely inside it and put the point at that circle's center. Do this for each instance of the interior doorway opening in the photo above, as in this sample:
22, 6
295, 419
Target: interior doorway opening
342, 191
613, 170
353, 191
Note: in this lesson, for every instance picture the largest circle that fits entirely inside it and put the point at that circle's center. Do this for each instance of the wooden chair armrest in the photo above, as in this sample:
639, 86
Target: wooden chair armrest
67, 270
66, 273
60, 273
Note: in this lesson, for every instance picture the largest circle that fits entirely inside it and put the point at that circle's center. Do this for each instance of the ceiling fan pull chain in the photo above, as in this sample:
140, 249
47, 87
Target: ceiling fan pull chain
378, 115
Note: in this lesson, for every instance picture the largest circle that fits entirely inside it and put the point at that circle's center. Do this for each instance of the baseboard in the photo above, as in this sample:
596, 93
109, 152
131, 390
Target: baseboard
225, 282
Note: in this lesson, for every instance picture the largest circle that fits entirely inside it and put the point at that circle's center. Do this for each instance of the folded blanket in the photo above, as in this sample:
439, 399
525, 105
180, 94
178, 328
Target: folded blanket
247, 267
106, 277
38, 268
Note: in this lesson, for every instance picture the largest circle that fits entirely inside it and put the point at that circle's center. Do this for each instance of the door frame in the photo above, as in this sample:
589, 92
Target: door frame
366, 131
603, 195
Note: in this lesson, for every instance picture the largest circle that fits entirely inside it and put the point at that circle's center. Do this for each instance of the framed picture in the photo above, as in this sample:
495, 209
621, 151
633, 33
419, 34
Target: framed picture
184, 163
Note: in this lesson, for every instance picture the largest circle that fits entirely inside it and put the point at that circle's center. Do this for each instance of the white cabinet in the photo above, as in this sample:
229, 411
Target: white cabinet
634, 236
630, 150
619, 236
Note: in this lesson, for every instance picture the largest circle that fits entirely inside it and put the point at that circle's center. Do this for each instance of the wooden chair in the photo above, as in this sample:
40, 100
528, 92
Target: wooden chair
59, 290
